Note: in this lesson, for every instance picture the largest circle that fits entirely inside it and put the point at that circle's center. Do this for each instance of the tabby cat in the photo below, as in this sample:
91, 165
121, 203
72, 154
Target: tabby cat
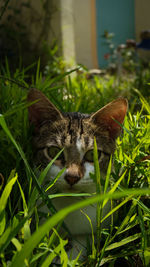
75, 132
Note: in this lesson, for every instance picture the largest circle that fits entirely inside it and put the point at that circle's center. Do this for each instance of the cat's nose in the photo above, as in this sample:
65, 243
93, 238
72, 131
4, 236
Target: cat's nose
71, 180
73, 174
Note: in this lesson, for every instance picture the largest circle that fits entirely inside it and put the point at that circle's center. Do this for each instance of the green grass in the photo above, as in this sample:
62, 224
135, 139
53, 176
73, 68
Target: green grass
22, 240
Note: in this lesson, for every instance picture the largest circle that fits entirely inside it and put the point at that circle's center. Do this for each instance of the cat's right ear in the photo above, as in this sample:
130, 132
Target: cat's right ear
41, 109
111, 117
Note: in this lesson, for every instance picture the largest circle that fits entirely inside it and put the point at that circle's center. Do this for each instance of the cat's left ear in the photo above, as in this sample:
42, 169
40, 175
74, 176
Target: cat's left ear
110, 117
41, 109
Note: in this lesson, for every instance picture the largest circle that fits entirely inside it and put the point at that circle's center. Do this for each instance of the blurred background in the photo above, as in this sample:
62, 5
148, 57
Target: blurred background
86, 32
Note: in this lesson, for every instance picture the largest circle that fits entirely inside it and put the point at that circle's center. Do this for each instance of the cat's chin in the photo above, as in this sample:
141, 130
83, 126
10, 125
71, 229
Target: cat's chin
80, 187
84, 185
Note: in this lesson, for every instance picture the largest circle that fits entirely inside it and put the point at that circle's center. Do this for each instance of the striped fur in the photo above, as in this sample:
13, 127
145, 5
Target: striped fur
74, 132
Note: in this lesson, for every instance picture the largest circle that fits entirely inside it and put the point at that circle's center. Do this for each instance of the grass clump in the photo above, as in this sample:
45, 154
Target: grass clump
23, 241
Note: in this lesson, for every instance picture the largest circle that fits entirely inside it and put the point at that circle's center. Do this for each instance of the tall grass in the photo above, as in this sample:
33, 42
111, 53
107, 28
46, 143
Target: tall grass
23, 241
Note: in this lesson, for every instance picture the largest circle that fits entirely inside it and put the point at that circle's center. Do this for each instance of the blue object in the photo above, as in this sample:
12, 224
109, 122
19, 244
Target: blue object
144, 44
116, 17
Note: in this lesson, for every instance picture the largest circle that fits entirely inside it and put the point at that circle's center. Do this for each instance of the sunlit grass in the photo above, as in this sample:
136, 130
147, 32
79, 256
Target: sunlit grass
22, 239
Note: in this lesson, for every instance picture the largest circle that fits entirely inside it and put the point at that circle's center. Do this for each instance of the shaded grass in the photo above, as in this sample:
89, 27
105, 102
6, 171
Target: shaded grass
129, 236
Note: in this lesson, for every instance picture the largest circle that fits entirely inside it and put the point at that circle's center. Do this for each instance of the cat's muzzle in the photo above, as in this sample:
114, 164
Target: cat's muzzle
71, 180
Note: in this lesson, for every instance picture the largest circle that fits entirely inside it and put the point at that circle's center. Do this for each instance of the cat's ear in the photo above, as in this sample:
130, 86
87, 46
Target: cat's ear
41, 109
111, 116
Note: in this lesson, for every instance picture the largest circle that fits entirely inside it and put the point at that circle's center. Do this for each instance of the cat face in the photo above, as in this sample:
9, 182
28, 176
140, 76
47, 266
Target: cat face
74, 132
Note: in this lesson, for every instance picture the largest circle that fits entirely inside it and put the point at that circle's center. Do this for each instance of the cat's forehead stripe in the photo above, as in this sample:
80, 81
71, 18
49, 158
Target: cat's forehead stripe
79, 144
74, 128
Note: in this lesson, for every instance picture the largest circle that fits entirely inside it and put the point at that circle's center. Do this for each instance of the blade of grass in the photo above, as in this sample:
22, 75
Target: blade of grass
5, 128
38, 74
142, 206
6, 192
93, 245
124, 241
103, 250
144, 240
54, 253
16, 243
116, 208
3, 201
26, 228
52, 196
122, 254
125, 221
56, 178
143, 100
9, 233
40, 179
108, 175
99, 209
115, 186
30, 173
32, 242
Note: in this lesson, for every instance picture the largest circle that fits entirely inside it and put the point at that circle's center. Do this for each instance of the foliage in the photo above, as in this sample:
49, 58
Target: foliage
23, 241
125, 58
20, 42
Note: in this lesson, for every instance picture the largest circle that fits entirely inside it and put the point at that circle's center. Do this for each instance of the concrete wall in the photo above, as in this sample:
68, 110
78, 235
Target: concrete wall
142, 16
76, 30
44, 21
67, 31
80, 44
142, 22
40, 21
82, 29
73, 24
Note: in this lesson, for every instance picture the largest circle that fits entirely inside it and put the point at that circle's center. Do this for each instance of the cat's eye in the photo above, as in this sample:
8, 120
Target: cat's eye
89, 155
53, 151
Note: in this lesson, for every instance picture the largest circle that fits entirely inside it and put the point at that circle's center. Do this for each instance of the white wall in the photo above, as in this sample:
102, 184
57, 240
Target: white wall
82, 28
73, 24
67, 31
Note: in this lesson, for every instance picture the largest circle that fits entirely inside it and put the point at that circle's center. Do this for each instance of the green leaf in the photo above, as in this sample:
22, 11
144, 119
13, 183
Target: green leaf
97, 169
143, 100
93, 245
108, 175
125, 221
56, 178
5, 128
116, 208
52, 196
123, 241
115, 186
9, 233
53, 254
147, 257
32, 242
143, 207
16, 243
23, 199
3, 201
6, 193
43, 174
29, 171
129, 159
143, 230
2, 222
